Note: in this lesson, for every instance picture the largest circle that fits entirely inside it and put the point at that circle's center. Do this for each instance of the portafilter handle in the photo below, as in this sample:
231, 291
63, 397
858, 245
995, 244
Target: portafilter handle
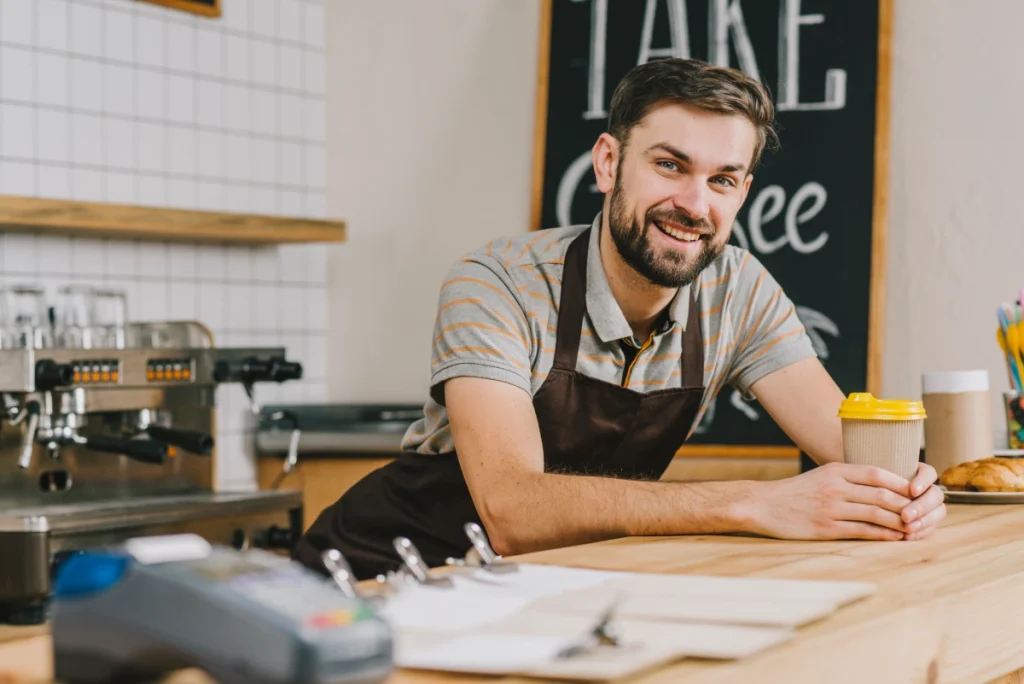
192, 441
251, 370
144, 450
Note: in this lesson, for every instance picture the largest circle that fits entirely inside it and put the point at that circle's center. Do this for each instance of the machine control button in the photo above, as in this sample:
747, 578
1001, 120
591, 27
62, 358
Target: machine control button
169, 370
95, 371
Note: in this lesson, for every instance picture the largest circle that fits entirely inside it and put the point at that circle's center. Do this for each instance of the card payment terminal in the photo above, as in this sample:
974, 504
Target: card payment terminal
159, 604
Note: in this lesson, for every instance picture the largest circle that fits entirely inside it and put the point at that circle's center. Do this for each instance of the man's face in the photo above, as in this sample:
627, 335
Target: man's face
679, 183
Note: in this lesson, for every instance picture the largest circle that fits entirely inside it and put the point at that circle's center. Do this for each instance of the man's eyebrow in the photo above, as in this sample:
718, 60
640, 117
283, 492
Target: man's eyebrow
683, 157
665, 147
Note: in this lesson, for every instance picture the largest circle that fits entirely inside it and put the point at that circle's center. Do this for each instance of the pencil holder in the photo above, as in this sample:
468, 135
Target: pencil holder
1014, 403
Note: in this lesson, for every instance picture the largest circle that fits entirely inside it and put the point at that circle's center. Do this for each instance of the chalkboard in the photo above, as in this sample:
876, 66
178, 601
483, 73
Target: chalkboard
209, 8
815, 214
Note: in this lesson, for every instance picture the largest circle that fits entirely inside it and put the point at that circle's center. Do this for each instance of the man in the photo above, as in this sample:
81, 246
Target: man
569, 365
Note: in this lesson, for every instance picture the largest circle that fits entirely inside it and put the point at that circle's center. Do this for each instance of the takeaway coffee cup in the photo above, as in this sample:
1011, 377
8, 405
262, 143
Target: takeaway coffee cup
959, 425
882, 432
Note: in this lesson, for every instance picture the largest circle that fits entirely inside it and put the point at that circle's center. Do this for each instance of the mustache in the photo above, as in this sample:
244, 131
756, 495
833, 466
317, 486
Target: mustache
680, 218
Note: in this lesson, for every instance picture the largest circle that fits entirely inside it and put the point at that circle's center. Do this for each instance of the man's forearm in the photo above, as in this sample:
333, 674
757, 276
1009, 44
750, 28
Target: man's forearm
804, 400
546, 510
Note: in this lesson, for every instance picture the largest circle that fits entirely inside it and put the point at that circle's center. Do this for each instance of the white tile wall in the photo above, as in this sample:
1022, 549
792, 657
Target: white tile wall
128, 102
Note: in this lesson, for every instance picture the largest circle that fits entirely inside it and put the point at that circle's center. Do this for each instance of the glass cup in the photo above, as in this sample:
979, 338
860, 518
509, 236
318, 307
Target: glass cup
91, 318
111, 316
1014, 404
26, 318
76, 311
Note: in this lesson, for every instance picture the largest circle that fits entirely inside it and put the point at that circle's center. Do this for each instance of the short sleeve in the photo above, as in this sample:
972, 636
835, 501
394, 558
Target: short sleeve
481, 329
769, 333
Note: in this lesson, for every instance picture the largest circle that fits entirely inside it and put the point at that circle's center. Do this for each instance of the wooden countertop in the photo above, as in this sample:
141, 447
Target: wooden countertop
948, 609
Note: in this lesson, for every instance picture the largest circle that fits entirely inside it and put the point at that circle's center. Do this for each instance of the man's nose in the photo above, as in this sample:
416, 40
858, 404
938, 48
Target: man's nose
692, 197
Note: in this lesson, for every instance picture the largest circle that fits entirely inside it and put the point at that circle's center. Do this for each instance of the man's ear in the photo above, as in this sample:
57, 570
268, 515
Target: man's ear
605, 156
746, 187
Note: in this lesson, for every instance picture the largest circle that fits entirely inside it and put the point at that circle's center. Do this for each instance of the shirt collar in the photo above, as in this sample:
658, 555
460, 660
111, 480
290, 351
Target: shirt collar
605, 315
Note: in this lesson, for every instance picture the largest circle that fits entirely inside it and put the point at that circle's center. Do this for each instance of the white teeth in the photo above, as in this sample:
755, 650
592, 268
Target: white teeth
685, 236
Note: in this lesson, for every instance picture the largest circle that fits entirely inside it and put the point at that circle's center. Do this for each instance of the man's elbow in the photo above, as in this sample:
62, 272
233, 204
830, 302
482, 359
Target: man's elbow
504, 546
506, 522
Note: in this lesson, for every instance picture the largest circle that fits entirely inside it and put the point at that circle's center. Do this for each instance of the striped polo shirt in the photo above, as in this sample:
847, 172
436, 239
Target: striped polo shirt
498, 314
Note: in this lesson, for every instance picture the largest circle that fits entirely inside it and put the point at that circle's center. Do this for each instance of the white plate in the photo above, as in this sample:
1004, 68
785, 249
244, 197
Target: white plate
983, 497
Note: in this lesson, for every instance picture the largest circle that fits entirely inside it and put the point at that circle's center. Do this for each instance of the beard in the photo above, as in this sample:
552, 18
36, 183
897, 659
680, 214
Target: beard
671, 268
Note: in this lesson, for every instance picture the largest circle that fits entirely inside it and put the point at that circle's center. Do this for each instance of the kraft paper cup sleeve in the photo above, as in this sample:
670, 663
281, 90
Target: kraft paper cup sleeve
889, 444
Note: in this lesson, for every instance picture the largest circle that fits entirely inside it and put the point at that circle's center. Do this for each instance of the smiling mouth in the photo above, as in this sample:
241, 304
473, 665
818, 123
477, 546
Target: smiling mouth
681, 234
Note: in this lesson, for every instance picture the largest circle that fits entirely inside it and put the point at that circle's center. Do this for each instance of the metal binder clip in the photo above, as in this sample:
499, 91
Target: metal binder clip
341, 572
488, 558
415, 565
601, 634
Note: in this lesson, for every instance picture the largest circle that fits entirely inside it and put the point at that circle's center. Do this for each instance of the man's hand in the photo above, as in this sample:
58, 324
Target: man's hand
927, 510
804, 400
837, 501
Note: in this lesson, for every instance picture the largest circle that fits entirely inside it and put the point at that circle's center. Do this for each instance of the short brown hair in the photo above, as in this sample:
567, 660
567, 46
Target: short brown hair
695, 83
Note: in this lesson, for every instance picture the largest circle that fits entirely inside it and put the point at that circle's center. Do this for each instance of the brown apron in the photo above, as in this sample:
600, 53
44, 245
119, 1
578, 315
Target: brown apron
587, 426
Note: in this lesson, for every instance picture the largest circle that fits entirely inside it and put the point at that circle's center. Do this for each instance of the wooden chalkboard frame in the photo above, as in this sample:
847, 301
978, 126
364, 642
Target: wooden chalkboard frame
880, 210
202, 8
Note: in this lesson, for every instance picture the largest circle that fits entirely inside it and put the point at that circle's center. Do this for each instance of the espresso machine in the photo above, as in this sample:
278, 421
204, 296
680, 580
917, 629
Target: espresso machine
107, 433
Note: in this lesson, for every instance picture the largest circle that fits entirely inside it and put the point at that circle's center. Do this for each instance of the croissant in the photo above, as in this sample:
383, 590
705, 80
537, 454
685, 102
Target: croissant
986, 475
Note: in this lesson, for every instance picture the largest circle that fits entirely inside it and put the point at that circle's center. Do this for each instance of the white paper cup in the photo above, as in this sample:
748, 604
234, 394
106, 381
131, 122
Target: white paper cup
959, 425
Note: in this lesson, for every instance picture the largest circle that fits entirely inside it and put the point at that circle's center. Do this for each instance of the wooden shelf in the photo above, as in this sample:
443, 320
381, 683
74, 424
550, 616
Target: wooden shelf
129, 222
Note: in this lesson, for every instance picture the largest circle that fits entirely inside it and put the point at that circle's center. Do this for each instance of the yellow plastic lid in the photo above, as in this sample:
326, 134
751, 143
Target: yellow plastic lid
863, 406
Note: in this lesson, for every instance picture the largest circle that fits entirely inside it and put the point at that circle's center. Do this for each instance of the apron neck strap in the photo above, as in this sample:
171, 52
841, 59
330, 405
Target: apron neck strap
693, 346
572, 303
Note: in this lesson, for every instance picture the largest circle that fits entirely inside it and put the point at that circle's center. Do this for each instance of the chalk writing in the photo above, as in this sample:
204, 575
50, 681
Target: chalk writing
725, 21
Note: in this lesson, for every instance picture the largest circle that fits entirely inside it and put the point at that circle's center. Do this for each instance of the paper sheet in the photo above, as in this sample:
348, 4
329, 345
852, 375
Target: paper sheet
515, 623
710, 609
690, 639
840, 593
449, 610
482, 597
486, 653
537, 581
543, 580
510, 653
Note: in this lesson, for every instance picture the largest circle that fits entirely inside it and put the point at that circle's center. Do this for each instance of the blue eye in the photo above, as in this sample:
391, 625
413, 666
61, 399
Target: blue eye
668, 165
725, 180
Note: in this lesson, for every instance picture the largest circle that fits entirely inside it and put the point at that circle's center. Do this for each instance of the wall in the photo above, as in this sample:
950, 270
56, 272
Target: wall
429, 156
126, 102
955, 244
